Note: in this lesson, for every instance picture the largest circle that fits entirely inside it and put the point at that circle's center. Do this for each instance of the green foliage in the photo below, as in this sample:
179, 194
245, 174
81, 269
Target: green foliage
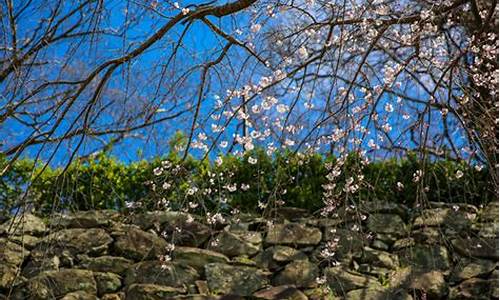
13, 182
289, 178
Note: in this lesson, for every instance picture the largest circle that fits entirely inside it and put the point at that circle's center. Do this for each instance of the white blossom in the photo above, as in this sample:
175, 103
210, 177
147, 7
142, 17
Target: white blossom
282, 108
192, 190
303, 53
255, 28
389, 108
252, 160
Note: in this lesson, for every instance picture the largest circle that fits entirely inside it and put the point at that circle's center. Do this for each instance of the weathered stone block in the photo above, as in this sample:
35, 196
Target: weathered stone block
139, 245
238, 243
24, 224
197, 258
168, 274
343, 280
300, 273
234, 280
293, 234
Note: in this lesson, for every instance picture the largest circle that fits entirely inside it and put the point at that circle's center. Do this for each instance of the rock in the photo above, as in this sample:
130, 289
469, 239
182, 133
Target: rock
204, 297
234, 280
39, 263
376, 294
384, 207
486, 230
280, 292
79, 295
84, 219
494, 274
293, 234
300, 273
12, 257
243, 261
139, 245
475, 288
343, 280
380, 245
152, 219
372, 267
118, 228
24, 224
114, 296
107, 282
429, 235
240, 226
273, 257
27, 241
75, 241
254, 221
467, 269
154, 272
264, 259
444, 217
386, 223
286, 254
378, 258
388, 238
197, 258
54, 284
401, 278
368, 269
333, 221
494, 289
192, 288
238, 243
321, 293
432, 283
489, 213
476, 247
463, 207
349, 243
202, 287
8, 274
113, 264
425, 257
11, 253
403, 243
151, 292
192, 233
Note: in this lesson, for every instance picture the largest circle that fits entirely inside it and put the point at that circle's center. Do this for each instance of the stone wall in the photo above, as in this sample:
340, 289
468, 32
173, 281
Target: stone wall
382, 251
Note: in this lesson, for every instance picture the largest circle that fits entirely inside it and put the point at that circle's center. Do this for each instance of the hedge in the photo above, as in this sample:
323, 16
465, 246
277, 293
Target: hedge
104, 182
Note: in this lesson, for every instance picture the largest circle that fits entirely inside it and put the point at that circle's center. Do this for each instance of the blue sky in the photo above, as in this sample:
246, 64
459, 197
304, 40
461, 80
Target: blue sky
199, 45
199, 40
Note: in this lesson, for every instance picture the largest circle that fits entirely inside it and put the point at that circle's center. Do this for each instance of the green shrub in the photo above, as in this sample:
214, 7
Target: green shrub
296, 179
